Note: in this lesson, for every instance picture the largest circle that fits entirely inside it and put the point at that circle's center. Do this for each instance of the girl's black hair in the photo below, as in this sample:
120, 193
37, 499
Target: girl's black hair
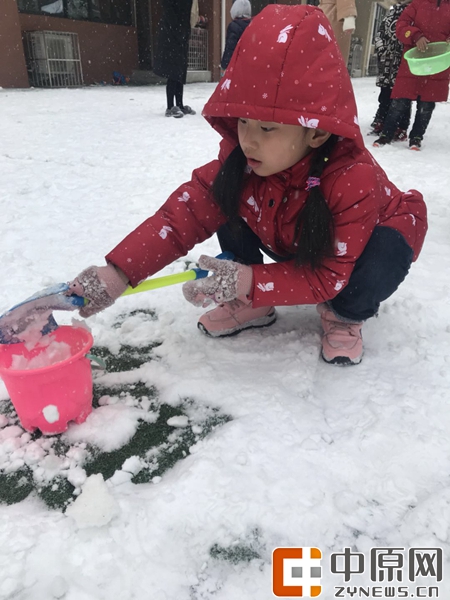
314, 231
227, 186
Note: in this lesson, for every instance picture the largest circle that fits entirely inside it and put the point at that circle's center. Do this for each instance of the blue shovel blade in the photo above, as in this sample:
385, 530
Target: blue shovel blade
36, 311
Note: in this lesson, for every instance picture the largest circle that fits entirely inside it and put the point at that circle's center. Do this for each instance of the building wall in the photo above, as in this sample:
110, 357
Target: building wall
13, 71
103, 48
212, 11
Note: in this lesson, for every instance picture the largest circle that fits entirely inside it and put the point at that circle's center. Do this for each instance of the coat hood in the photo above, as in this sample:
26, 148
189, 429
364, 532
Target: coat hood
287, 68
241, 8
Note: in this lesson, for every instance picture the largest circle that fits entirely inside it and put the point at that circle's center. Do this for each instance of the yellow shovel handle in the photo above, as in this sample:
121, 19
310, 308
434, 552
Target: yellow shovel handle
159, 282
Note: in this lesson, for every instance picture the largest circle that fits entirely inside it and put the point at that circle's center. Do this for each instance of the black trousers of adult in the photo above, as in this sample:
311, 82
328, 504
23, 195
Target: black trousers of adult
377, 273
384, 104
174, 93
398, 107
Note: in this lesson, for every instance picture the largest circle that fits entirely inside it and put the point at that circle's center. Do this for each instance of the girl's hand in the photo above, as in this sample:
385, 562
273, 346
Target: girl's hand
422, 43
229, 281
101, 286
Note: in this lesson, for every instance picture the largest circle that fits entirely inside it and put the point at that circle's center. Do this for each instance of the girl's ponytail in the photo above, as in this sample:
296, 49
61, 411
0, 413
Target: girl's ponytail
227, 185
314, 231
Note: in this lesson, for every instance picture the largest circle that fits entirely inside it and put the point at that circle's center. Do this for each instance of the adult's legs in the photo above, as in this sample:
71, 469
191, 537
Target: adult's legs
179, 94
171, 89
187, 110
174, 93
398, 108
378, 272
423, 115
384, 102
405, 119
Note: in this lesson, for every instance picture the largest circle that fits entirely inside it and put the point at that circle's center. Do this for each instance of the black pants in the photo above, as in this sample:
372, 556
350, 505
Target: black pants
174, 93
378, 272
384, 103
398, 107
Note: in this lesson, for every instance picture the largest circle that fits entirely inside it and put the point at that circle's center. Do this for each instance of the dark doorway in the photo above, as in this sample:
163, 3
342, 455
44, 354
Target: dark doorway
144, 37
258, 5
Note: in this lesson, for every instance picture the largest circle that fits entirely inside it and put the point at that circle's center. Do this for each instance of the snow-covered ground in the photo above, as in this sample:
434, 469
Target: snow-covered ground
314, 455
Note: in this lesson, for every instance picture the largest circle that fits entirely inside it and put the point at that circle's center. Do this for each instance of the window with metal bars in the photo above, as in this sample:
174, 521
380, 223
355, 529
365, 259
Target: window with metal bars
116, 12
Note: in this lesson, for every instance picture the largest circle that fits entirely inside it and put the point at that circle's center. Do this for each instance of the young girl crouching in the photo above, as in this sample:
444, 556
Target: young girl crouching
292, 180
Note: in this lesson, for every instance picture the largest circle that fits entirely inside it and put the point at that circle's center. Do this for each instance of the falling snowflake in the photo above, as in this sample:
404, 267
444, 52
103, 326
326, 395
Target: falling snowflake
323, 108
282, 36
324, 32
226, 84
388, 191
311, 123
265, 95
339, 285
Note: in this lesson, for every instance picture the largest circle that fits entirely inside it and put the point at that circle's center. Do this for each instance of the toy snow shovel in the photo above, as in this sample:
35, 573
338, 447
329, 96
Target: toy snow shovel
34, 315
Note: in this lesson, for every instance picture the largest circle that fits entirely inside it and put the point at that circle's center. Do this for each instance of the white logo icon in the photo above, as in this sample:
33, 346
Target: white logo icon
282, 36
311, 123
324, 32
164, 230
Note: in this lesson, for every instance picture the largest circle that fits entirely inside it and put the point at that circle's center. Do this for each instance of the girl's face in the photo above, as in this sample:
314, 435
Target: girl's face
272, 147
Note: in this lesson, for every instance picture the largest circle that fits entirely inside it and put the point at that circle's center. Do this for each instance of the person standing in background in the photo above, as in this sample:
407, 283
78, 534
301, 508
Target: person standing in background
389, 53
171, 56
342, 16
422, 22
241, 13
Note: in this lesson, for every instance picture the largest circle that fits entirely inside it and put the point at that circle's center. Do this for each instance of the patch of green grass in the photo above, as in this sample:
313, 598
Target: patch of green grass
16, 486
240, 552
56, 494
129, 358
170, 453
145, 314
158, 445
234, 554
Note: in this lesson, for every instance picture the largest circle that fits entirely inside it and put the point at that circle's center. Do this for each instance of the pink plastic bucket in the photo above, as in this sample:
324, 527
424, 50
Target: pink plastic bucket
50, 396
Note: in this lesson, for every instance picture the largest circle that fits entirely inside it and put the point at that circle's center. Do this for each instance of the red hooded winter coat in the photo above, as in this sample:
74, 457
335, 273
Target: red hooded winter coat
286, 68
422, 18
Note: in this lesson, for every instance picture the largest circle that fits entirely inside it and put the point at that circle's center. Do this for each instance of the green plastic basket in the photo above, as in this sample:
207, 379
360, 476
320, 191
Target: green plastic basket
435, 59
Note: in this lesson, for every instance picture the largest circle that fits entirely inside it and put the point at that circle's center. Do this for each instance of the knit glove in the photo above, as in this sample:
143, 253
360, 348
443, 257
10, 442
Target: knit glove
229, 281
101, 286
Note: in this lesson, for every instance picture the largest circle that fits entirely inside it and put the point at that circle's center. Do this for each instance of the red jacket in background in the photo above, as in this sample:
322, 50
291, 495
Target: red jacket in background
288, 69
422, 18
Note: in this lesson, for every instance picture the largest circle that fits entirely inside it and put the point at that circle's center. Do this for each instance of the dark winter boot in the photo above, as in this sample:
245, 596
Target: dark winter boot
401, 135
415, 144
377, 128
383, 140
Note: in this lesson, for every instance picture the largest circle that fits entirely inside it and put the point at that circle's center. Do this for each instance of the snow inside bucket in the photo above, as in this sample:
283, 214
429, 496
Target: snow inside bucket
51, 383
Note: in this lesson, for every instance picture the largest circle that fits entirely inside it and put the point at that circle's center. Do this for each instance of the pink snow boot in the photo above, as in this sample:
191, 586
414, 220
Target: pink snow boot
342, 341
232, 317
